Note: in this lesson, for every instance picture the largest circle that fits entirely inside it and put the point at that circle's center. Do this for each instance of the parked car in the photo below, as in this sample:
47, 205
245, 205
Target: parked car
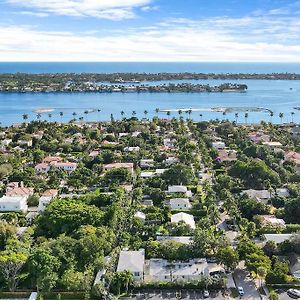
211, 259
241, 291
293, 293
205, 293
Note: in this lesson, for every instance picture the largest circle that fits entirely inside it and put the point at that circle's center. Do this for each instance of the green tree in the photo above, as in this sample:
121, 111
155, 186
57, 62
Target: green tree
228, 257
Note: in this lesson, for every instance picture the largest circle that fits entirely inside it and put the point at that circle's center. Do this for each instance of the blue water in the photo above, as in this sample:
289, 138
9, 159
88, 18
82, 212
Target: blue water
148, 67
278, 96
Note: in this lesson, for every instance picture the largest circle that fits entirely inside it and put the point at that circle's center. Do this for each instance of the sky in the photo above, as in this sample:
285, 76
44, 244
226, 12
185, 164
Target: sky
150, 30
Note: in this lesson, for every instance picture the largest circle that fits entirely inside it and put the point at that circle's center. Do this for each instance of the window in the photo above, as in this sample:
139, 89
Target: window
136, 274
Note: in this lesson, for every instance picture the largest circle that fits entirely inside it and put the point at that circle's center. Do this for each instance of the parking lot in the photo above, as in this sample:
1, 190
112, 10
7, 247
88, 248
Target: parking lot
178, 294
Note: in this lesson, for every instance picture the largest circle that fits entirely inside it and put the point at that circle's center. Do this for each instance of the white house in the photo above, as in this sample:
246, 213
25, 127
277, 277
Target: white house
43, 202
261, 195
295, 265
147, 163
180, 203
171, 160
14, 203
6, 142
147, 174
179, 189
277, 238
161, 270
132, 261
218, 145
184, 217
132, 149
187, 240
27, 143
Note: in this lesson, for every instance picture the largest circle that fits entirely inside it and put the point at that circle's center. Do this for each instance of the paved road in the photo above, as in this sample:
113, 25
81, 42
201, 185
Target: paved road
242, 279
180, 294
231, 235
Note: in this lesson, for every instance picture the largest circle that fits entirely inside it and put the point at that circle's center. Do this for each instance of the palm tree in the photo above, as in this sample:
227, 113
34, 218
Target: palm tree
61, 115
168, 113
86, 112
157, 111
190, 112
271, 116
281, 117
49, 116
25, 117
38, 116
246, 117
145, 113
74, 114
224, 114
292, 114
261, 273
122, 114
133, 113
201, 116
236, 115
80, 118
98, 111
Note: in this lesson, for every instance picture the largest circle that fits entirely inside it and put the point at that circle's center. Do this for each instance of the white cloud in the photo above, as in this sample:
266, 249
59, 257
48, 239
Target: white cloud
105, 9
214, 39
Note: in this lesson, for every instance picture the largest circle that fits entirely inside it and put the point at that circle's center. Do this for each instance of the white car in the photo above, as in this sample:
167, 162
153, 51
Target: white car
205, 293
294, 293
241, 291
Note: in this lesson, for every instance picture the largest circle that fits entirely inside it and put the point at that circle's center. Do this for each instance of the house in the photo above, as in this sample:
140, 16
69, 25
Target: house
6, 142
46, 198
158, 270
278, 238
179, 189
187, 240
128, 166
218, 145
18, 189
184, 217
140, 215
260, 195
258, 137
294, 157
55, 162
272, 145
281, 192
180, 203
295, 131
270, 220
171, 160
14, 203
132, 149
132, 261
226, 155
147, 174
294, 266
147, 163
27, 143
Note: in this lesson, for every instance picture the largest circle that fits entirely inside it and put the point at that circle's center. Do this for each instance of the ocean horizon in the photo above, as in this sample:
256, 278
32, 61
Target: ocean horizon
149, 67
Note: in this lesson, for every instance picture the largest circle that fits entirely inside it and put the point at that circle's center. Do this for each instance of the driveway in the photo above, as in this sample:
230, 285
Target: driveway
242, 279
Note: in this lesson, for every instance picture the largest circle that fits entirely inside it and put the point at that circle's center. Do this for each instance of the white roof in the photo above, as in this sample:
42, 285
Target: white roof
184, 217
180, 239
140, 215
132, 261
180, 201
160, 267
261, 194
278, 238
177, 189
147, 174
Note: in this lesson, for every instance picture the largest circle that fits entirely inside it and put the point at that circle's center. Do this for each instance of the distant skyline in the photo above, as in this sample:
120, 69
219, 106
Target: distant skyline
150, 30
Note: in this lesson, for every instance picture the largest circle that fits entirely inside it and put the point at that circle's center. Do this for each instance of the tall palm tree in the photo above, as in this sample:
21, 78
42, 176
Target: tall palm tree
180, 112
292, 114
61, 116
224, 114
122, 113
271, 116
190, 112
86, 112
25, 117
145, 113
168, 113
98, 111
38, 116
201, 116
281, 117
74, 114
236, 115
246, 117
49, 116
157, 111
133, 113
